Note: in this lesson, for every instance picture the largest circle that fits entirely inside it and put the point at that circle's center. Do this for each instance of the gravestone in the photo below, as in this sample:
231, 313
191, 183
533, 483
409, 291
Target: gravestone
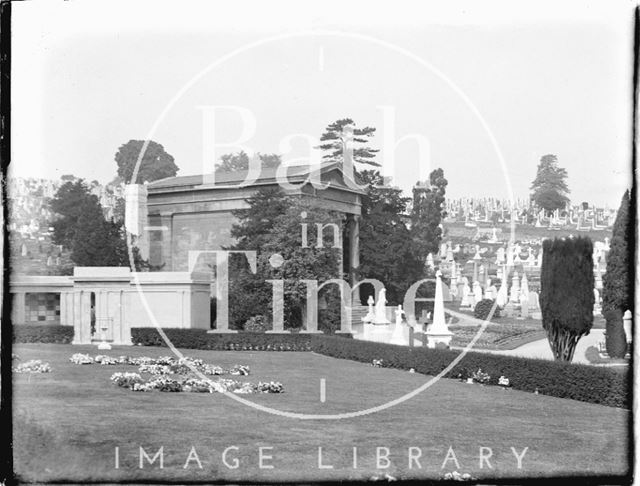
370, 317
467, 296
477, 293
515, 288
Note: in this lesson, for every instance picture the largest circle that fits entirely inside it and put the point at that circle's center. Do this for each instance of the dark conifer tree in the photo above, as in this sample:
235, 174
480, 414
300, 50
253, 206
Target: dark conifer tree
566, 293
617, 291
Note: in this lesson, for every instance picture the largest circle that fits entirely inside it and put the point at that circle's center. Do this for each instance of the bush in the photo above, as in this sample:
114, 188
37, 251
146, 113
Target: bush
257, 324
606, 386
615, 338
483, 308
201, 339
42, 333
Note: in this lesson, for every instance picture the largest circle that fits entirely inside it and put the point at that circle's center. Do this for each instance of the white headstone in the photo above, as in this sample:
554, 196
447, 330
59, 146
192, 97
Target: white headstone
477, 293
515, 288
438, 332
381, 308
466, 292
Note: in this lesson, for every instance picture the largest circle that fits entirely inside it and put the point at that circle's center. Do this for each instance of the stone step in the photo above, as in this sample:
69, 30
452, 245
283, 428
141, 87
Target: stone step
358, 312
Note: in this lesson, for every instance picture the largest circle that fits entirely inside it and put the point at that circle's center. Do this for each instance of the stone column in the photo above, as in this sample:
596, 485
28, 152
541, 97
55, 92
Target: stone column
82, 317
103, 315
354, 247
166, 220
278, 306
70, 309
19, 311
124, 303
187, 318
63, 308
136, 216
222, 296
627, 320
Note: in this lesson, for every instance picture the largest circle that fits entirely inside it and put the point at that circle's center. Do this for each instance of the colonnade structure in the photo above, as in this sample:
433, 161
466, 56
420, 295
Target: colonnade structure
112, 300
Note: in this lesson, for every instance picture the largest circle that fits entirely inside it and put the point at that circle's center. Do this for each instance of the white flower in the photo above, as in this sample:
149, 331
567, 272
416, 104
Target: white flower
33, 366
79, 358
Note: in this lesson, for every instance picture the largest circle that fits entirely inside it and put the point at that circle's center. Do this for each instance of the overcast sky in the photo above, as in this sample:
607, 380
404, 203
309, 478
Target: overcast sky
489, 87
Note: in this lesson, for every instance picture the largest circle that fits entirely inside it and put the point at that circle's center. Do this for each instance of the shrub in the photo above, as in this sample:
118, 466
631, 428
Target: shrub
615, 338
606, 386
483, 308
201, 339
42, 333
256, 324
566, 293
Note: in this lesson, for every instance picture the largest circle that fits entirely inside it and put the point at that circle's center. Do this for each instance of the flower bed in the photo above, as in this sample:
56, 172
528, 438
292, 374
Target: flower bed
169, 374
162, 365
32, 366
497, 335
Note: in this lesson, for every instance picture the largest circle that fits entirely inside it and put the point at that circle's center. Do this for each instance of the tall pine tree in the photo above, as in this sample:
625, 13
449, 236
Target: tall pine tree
549, 188
335, 139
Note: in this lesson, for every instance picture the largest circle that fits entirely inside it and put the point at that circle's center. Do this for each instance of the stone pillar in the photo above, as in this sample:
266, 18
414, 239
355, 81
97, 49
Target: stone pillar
136, 216
166, 221
70, 309
63, 309
187, 318
103, 316
81, 317
626, 322
124, 301
354, 247
278, 306
222, 296
19, 311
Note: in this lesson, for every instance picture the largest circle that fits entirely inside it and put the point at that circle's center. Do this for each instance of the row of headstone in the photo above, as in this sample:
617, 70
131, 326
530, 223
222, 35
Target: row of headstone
376, 326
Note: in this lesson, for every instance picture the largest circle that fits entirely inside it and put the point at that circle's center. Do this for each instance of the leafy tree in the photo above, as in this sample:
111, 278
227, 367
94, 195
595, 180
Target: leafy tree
387, 251
70, 202
98, 243
240, 161
272, 224
427, 214
566, 293
550, 191
155, 164
80, 225
335, 140
617, 282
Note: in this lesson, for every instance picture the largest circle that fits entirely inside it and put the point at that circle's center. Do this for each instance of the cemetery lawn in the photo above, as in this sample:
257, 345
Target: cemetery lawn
67, 424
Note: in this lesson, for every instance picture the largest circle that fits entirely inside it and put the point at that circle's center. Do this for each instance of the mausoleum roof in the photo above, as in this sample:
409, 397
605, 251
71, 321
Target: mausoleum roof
268, 176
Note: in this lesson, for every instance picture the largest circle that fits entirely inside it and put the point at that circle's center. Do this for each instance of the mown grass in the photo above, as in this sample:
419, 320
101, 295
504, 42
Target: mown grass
68, 423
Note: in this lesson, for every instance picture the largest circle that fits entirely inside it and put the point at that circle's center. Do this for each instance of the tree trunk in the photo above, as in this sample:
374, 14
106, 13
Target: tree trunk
563, 343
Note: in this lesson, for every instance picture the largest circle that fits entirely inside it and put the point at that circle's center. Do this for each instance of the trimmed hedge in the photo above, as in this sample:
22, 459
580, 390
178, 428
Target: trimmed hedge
241, 341
42, 333
606, 386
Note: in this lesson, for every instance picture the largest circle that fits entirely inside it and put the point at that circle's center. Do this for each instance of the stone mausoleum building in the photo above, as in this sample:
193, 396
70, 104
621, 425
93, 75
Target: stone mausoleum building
170, 218
190, 213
